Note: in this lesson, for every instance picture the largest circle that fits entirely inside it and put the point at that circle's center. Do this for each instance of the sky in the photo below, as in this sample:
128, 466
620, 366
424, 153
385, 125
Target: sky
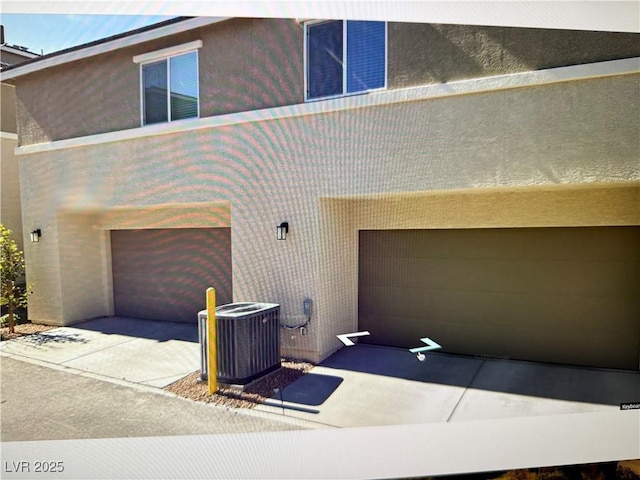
45, 34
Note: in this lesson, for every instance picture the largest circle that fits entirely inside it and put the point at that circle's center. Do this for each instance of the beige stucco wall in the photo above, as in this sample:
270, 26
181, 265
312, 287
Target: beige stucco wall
84, 273
329, 175
10, 210
8, 111
250, 64
10, 207
436, 53
102, 93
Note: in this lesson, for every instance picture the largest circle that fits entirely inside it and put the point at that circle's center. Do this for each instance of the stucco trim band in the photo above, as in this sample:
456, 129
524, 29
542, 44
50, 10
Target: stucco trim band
9, 136
167, 52
464, 87
568, 205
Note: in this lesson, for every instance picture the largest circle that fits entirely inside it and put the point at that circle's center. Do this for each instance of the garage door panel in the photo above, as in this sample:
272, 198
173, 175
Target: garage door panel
566, 346
408, 302
456, 244
507, 312
562, 277
570, 295
461, 274
167, 282
557, 277
502, 310
386, 272
593, 314
377, 303
163, 274
595, 243
393, 332
569, 347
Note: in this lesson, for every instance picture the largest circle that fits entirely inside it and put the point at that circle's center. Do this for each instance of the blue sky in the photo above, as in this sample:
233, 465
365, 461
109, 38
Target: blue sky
49, 33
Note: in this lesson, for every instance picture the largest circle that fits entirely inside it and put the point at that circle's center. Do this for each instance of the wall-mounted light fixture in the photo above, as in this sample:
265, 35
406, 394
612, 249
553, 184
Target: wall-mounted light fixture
282, 230
35, 235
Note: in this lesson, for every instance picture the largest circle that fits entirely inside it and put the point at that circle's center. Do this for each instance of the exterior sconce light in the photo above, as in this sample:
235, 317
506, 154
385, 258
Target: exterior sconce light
35, 235
282, 230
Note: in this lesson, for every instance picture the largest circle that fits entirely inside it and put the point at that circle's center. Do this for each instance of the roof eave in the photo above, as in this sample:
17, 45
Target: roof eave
16, 51
92, 49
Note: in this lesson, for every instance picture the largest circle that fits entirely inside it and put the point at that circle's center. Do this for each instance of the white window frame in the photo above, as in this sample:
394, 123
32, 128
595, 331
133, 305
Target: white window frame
167, 54
344, 61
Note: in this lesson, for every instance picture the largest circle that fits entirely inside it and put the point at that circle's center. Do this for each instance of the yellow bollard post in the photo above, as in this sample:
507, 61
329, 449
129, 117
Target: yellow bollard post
212, 340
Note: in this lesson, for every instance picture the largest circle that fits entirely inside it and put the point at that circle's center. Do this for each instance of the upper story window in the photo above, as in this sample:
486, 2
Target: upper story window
169, 83
344, 57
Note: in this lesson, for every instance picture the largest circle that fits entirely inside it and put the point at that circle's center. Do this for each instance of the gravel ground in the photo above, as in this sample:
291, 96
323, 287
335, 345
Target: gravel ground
24, 329
255, 393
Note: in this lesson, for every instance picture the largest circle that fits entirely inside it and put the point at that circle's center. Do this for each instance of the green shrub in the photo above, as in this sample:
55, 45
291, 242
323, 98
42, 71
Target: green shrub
12, 269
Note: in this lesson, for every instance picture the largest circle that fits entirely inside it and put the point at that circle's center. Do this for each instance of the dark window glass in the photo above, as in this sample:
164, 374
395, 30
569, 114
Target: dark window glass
324, 59
365, 56
363, 64
154, 78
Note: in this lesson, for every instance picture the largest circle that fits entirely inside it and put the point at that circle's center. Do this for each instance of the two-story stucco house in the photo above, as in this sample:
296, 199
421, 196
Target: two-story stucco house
476, 185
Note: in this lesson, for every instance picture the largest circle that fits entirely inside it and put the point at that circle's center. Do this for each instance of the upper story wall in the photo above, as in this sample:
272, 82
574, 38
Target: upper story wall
8, 109
244, 64
249, 64
422, 54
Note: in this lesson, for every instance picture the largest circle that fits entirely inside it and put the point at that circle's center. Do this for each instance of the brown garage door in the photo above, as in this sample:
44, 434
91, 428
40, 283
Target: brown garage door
562, 295
163, 274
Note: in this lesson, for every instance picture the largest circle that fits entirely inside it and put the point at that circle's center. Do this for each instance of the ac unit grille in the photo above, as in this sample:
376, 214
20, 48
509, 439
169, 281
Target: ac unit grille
248, 344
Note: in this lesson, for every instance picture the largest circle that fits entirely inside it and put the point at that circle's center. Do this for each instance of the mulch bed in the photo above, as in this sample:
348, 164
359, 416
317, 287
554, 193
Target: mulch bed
24, 329
253, 394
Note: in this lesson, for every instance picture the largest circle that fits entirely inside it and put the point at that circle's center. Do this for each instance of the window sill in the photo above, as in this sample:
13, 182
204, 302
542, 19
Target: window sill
345, 95
169, 122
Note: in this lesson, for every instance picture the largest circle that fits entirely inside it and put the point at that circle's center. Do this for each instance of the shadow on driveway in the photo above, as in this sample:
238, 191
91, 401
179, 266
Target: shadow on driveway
312, 389
53, 337
158, 330
560, 382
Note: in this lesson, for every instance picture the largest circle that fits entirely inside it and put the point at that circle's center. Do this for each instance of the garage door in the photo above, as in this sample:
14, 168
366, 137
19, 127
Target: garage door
561, 295
163, 274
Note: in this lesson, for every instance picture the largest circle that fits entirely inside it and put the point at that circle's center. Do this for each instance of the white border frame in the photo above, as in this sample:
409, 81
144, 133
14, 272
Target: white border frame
345, 38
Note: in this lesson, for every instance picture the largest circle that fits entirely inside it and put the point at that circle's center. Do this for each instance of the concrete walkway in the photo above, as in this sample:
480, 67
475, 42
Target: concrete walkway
358, 386
147, 352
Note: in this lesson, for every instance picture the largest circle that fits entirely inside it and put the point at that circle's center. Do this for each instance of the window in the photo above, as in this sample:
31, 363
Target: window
169, 80
344, 57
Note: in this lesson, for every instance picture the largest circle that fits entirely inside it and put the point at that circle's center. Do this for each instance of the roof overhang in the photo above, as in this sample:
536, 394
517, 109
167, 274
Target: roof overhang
17, 51
93, 49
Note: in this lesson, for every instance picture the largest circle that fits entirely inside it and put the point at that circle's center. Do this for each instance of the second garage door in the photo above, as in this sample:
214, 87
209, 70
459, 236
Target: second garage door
163, 274
562, 295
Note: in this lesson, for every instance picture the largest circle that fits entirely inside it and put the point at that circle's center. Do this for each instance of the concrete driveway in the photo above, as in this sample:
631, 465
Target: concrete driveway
361, 385
366, 385
148, 352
